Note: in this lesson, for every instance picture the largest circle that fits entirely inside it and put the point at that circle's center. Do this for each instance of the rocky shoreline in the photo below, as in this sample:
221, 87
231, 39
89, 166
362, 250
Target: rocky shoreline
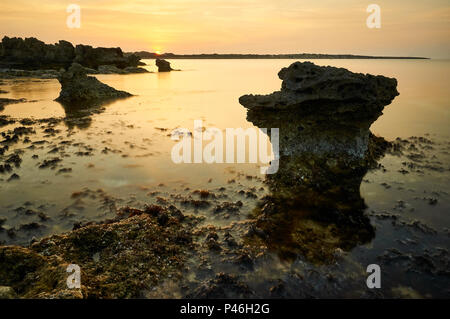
291, 235
31, 57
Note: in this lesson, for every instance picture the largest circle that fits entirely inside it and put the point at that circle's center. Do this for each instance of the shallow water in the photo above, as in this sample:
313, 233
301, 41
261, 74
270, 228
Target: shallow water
136, 168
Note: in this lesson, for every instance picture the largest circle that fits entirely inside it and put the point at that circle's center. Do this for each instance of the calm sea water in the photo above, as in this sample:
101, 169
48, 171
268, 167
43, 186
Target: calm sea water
136, 168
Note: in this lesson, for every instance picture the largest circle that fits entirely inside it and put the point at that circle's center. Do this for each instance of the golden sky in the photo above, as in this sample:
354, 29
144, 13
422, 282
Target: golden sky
408, 27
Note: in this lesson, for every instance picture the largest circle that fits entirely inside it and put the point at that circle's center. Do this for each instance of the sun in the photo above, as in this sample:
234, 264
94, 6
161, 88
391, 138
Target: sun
158, 52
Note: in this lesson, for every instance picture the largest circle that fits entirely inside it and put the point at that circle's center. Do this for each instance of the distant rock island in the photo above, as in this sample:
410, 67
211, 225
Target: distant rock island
151, 55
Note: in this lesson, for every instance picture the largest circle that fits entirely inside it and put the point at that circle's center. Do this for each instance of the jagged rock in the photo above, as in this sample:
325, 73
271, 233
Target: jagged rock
76, 86
309, 89
163, 65
94, 57
33, 54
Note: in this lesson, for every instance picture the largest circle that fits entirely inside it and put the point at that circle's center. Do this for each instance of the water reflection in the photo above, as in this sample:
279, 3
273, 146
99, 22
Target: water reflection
80, 116
315, 208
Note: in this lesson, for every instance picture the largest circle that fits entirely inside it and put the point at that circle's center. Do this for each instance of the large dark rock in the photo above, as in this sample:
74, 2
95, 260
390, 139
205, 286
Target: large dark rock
163, 65
314, 209
31, 53
94, 57
309, 89
77, 87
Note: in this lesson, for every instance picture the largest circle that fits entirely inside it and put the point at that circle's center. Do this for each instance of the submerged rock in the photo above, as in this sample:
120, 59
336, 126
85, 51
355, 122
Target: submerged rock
312, 89
163, 65
77, 87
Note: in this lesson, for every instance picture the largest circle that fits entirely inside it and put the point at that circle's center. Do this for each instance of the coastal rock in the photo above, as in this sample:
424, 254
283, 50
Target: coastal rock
309, 89
39, 74
314, 207
119, 258
163, 65
91, 57
33, 54
76, 87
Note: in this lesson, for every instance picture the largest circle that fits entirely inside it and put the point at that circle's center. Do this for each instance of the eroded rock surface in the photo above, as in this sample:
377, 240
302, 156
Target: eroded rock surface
118, 258
312, 89
77, 86
315, 208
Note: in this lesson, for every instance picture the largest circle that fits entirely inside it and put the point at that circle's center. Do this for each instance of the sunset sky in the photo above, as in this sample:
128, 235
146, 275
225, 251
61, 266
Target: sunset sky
408, 27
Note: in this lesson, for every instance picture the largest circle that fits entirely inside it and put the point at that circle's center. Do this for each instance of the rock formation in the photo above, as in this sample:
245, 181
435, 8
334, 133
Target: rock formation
30, 53
77, 87
94, 57
163, 65
33, 54
323, 114
309, 89
130, 260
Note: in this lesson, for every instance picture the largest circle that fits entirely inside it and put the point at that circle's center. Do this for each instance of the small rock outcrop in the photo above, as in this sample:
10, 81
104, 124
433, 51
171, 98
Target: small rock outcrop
309, 88
163, 65
77, 86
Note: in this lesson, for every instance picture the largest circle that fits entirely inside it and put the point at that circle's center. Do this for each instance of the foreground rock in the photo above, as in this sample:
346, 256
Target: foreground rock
309, 89
163, 65
118, 258
77, 87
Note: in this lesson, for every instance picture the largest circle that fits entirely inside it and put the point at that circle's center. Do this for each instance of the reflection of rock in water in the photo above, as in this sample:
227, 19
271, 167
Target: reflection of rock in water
315, 206
80, 114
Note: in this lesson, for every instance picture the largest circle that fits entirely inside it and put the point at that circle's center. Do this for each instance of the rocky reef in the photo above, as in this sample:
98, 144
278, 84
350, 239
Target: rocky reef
163, 65
118, 258
329, 91
78, 87
33, 54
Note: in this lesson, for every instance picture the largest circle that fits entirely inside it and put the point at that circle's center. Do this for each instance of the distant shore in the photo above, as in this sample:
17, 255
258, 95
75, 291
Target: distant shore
151, 55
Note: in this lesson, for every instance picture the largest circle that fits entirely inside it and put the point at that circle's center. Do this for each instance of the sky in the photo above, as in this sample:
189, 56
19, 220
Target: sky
408, 27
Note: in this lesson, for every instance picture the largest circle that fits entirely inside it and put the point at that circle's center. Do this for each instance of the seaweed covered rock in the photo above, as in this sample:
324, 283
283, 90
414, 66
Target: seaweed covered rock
163, 65
77, 86
311, 89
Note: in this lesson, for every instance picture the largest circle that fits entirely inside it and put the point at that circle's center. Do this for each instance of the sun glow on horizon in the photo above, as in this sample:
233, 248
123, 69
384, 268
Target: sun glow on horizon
412, 28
